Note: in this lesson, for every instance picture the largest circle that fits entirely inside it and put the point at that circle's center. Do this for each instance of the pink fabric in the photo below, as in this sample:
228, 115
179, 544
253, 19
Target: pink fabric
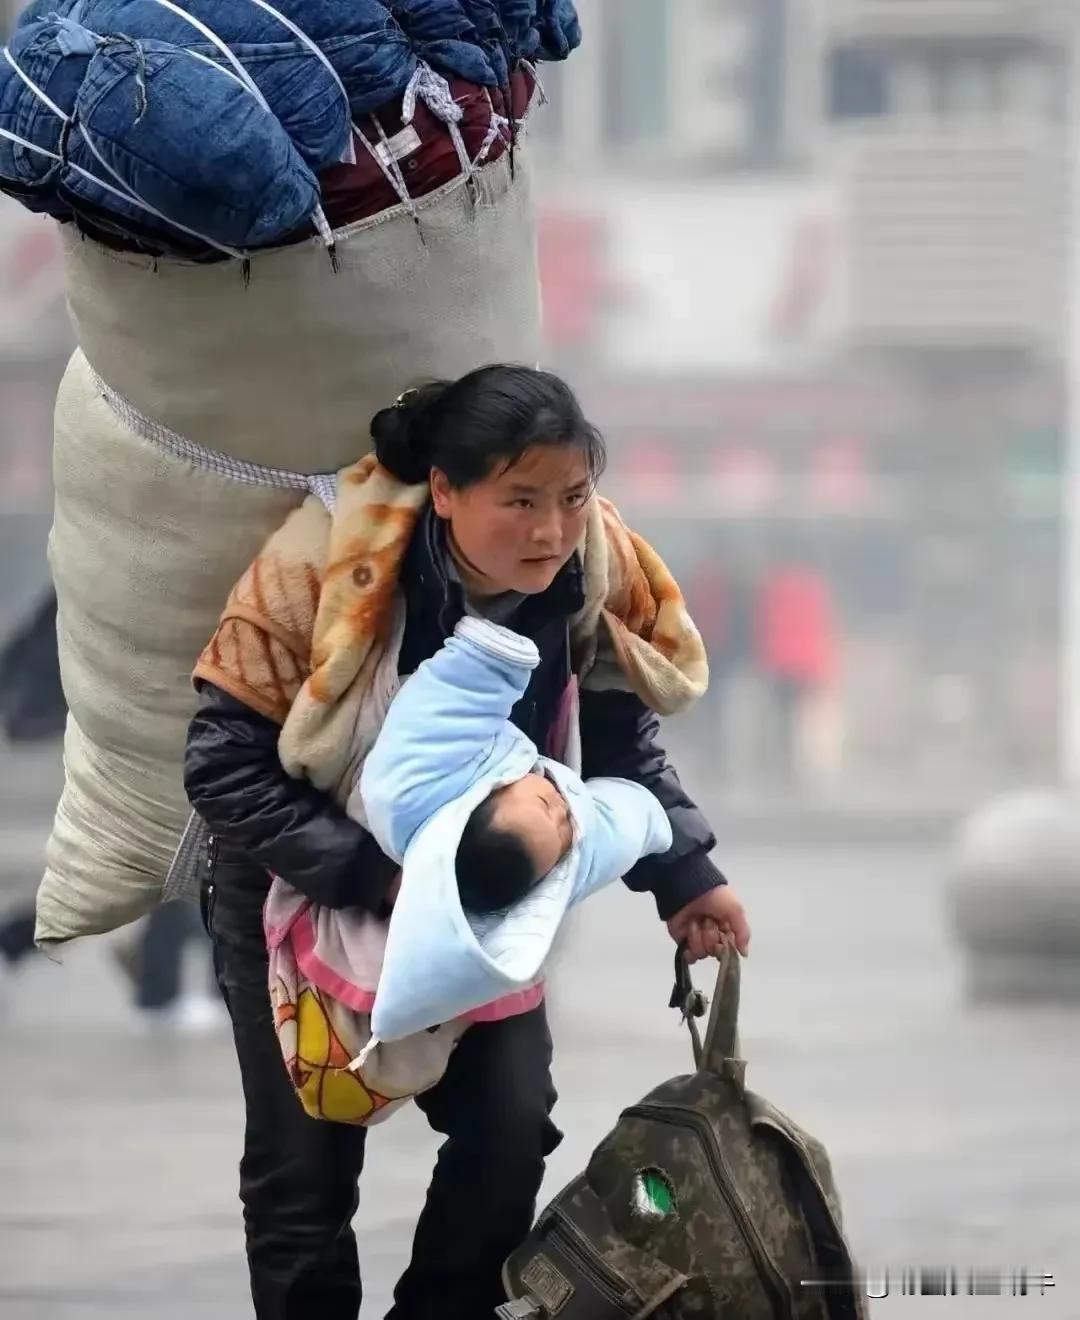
320, 973
345, 959
562, 735
522, 1001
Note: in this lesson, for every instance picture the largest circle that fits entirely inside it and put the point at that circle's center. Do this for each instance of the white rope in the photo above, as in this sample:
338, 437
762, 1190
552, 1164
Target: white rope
495, 126
198, 55
125, 191
318, 216
388, 164
434, 90
535, 74
365, 1054
120, 193
220, 45
349, 158
38, 91
133, 196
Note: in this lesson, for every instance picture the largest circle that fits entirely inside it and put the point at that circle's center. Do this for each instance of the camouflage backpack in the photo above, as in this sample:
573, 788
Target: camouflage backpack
704, 1201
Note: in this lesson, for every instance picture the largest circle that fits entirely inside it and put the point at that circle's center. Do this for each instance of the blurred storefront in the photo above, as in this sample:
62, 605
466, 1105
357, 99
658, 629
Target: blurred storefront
929, 508
923, 493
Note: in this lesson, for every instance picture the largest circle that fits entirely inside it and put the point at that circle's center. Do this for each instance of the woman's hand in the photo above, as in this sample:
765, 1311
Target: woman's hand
710, 923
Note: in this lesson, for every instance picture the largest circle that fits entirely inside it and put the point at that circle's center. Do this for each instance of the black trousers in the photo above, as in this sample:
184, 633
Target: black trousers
298, 1175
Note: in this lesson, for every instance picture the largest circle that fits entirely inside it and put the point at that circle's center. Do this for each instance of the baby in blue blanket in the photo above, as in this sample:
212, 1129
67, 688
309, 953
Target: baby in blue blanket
448, 759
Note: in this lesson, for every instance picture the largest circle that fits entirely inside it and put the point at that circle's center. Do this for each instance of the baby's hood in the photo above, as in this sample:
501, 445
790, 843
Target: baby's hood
441, 963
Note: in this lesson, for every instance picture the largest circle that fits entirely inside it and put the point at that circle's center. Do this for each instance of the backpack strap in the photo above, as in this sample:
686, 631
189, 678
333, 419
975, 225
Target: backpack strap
719, 1053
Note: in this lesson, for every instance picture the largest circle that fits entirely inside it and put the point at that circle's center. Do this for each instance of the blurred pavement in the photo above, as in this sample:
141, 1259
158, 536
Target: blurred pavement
955, 1134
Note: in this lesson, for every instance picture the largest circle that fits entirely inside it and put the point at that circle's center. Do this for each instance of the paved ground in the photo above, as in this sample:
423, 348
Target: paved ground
955, 1133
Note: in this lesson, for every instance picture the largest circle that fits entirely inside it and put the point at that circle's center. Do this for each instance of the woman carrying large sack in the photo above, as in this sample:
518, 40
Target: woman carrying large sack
480, 498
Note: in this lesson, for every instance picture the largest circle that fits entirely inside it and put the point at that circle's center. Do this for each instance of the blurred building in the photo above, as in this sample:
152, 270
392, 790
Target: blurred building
676, 84
806, 262
950, 135
950, 121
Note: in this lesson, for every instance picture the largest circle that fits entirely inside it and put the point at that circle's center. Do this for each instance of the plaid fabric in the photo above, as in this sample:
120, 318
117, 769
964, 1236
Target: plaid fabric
210, 460
184, 878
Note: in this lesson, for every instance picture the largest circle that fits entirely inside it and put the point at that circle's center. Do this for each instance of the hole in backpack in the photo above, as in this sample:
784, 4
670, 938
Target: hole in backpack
652, 1195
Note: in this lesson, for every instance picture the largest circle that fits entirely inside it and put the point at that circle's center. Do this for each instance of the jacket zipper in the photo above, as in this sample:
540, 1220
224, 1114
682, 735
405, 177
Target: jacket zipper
610, 1285
679, 1116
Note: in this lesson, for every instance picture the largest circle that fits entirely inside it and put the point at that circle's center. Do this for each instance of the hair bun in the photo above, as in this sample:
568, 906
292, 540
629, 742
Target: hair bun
404, 433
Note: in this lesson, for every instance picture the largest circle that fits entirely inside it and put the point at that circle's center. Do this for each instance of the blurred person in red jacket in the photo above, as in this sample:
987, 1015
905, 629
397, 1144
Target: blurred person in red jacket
796, 651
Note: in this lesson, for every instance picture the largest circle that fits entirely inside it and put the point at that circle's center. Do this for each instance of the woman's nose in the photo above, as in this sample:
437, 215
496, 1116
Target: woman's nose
547, 531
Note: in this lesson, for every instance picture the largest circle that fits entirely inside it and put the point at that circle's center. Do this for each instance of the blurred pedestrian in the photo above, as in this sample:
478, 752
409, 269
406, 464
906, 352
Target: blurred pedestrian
155, 963
796, 652
32, 706
33, 710
720, 595
17, 935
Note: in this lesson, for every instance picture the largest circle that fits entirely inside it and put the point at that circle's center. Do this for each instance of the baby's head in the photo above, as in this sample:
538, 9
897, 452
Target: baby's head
511, 841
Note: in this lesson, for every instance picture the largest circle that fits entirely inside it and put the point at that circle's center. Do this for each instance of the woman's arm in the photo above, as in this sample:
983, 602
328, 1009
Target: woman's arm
237, 784
618, 738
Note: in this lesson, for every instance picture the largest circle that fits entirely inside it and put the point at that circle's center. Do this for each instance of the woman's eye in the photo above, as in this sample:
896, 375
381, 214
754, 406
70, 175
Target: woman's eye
522, 504
576, 500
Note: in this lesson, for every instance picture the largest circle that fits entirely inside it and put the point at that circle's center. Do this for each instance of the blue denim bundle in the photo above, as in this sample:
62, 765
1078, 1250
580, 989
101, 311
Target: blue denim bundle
207, 122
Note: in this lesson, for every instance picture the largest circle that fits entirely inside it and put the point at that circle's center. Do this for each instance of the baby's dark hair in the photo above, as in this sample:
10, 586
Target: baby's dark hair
493, 866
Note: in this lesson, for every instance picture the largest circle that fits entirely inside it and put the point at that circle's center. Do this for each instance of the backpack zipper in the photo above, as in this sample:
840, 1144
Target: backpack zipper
767, 1120
836, 1304
611, 1286
679, 1116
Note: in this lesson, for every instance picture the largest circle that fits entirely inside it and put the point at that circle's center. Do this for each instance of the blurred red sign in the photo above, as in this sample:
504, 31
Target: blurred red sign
743, 477
838, 476
653, 472
574, 278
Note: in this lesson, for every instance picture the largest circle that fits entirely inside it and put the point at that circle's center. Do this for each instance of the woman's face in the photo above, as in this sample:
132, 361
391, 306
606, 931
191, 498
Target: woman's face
514, 530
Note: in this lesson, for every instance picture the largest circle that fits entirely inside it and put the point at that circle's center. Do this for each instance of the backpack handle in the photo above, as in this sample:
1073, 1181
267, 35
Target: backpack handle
719, 1053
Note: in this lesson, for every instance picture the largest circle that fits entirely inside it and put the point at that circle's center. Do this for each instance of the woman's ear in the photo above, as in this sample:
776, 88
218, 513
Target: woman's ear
440, 492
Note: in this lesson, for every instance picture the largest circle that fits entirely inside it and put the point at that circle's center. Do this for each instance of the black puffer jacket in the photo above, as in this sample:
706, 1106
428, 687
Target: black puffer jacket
237, 784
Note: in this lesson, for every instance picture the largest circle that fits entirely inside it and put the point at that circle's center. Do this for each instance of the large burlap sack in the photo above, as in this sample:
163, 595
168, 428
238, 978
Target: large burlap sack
196, 391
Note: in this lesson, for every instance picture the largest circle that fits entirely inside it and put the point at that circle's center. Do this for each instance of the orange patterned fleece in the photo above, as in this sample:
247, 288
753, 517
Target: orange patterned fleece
302, 632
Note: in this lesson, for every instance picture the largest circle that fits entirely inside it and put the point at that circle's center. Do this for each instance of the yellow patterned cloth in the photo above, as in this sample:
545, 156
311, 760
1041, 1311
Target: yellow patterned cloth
321, 1034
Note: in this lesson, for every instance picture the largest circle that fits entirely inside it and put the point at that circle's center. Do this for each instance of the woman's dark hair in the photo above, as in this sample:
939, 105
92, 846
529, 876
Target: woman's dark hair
493, 867
468, 428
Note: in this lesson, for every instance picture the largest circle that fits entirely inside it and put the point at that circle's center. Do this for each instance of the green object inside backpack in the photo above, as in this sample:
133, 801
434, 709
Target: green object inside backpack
653, 1197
